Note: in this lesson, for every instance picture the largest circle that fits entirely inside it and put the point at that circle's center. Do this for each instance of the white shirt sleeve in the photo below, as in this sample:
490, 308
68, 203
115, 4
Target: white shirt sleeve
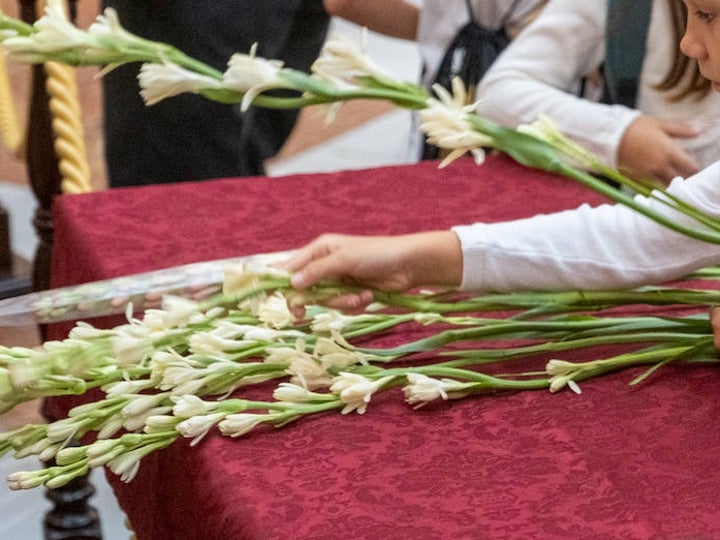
541, 70
605, 247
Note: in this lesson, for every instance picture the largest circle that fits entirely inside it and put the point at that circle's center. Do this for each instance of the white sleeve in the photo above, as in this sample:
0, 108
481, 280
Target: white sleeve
605, 247
543, 67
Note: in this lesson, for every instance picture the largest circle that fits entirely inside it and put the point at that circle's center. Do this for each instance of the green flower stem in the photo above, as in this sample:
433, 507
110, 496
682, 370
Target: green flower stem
622, 198
594, 368
292, 410
655, 190
487, 356
662, 196
231, 377
398, 95
535, 153
482, 380
316, 92
15, 25
52, 385
21, 437
542, 303
581, 371
86, 418
493, 328
141, 444
372, 329
268, 284
711, 272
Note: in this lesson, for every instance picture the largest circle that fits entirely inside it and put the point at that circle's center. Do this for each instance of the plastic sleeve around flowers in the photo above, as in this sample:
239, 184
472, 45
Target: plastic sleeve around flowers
112, 296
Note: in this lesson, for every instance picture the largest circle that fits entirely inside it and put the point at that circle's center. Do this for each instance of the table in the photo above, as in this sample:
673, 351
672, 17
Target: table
617, 462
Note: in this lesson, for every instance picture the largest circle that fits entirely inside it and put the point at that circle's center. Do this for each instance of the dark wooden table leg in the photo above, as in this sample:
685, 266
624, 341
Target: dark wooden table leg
13, 279
72, 518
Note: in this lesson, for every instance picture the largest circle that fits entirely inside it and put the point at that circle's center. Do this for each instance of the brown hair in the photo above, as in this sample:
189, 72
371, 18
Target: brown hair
683, 79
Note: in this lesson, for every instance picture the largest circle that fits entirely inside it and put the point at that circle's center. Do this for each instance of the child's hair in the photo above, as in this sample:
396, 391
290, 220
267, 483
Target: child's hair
683, 79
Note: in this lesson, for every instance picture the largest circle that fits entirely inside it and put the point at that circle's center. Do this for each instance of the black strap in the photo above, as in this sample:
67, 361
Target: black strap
471, 52
470, 11
626, 29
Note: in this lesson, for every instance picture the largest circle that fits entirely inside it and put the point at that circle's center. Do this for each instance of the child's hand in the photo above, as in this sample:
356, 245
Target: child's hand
388, 263
648, 149
715, 322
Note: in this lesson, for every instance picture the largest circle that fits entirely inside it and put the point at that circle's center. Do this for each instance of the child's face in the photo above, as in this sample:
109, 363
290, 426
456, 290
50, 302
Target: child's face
702, 38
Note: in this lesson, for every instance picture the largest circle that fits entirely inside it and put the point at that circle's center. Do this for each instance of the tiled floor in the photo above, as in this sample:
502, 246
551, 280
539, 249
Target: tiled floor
363, 135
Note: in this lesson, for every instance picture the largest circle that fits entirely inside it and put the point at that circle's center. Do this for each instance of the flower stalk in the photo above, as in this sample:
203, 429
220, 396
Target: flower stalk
184, 370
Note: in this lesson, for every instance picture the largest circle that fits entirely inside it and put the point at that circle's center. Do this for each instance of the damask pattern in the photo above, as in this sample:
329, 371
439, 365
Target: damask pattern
619, 461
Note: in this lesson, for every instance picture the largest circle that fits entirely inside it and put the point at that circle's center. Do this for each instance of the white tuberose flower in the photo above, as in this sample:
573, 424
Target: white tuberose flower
341, 59
198, 426
422, 389
355, 390
130, 350
445, 123
190, 405
307, 372
274, 311
562, 375
304, 370
176, 312
546, 130
240, 276
127, 465
251, 75
236, 425
107, 30
331, 354
55, 33
292, 393
160, 81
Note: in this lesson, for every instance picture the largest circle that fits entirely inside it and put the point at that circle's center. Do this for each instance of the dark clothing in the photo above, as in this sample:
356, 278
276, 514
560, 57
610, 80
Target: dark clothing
188, 137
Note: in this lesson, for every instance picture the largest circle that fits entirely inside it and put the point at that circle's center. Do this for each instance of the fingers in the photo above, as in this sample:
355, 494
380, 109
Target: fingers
351, 302
679, 130
304, 255
649, 149
684, 166
679, 164
715, 322
322, 265
316, 261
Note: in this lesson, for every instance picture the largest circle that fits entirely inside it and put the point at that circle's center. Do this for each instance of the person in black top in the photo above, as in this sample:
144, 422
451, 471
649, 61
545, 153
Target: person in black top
190, 137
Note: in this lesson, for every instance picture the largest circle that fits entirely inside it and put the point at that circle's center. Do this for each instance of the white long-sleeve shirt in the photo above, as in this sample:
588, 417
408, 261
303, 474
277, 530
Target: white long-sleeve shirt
541, 69
603, 247
441, 20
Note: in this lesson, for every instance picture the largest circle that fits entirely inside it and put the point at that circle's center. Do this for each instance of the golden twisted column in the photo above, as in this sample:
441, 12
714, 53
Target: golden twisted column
69, 141
11, 133
67, 125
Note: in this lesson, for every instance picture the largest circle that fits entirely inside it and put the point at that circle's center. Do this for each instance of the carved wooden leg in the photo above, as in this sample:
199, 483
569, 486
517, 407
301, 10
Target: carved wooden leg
5, 253
72, 518
13, 281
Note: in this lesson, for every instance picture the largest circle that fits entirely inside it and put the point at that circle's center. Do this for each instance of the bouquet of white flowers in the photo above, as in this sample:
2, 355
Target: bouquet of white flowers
180, 370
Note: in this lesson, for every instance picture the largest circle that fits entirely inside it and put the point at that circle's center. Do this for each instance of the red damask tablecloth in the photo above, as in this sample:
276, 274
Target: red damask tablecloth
616, 462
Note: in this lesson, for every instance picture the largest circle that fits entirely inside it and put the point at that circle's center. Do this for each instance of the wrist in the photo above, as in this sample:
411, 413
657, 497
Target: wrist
435, 259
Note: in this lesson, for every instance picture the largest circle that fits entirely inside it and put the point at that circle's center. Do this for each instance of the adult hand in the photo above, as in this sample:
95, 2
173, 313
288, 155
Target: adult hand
389, 263
648, 149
